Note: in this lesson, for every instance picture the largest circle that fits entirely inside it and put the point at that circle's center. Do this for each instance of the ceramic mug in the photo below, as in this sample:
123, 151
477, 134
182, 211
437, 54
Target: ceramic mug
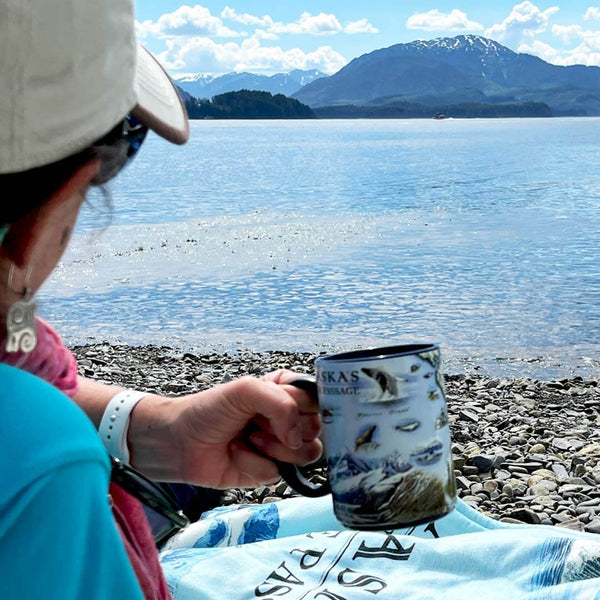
386, 437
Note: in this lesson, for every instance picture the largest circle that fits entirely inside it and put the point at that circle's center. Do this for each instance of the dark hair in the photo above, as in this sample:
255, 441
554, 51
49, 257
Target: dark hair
36, 185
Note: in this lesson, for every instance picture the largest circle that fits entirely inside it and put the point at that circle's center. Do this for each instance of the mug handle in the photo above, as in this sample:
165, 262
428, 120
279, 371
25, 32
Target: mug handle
290, 473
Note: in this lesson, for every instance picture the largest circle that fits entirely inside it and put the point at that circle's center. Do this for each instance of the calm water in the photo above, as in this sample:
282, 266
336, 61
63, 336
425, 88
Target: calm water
319, 235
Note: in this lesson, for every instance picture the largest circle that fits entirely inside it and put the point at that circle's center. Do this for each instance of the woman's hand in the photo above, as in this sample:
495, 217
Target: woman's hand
222, 437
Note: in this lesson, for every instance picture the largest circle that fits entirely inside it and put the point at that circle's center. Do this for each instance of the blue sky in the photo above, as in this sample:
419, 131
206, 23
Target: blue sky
277, 36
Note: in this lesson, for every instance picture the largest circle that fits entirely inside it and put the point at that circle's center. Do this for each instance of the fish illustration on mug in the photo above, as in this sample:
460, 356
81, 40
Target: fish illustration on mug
364, 441
408, 425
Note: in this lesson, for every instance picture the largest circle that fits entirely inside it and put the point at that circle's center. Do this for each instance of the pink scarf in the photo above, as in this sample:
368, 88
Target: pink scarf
52, 361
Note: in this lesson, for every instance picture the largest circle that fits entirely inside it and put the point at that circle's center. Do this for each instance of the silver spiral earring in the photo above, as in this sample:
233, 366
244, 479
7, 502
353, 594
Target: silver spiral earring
20, 320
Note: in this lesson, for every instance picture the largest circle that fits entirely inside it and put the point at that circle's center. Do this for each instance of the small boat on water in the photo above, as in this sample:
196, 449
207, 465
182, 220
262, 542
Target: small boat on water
439, 116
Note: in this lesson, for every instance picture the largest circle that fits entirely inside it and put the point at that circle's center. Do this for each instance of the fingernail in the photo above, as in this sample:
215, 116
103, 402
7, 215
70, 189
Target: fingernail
295, 438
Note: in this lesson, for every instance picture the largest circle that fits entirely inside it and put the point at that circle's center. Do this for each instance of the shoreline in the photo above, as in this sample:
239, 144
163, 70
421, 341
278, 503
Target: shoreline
525, 450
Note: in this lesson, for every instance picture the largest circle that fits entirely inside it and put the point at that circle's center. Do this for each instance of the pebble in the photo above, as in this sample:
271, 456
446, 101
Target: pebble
560, 470
525, 515
537, 449
525, 451
483, 464
593, 526
574, 524
470, 470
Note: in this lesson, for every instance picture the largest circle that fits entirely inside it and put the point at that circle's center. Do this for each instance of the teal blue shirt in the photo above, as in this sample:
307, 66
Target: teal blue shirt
57, 534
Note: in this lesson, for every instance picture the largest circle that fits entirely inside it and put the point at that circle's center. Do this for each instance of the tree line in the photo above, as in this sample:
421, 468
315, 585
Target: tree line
410, 110
248, 104
252, 104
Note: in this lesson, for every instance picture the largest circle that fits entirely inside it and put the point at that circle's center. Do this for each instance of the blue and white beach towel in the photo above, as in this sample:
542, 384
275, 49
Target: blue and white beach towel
295, 549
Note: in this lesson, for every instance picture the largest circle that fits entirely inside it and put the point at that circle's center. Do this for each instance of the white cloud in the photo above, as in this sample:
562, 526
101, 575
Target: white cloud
199, 55
321, 24
198, 20
581, 55
435, 20
360, 26
542, 50
203, 55
585, 52
521, 31
246, 19
186, 21
525, 21
265, 35
190, 35
588, 50
568, 32
592, 14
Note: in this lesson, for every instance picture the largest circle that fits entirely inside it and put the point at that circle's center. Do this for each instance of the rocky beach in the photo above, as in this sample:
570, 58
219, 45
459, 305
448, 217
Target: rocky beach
524, 450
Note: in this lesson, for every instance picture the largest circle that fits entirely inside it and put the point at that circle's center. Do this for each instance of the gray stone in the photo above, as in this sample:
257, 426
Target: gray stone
490, 485
462, 483
574, 524
472, 499
470, 470
490, 418
537, 449
482, 463
476, 488
525, 515
560, 470
593, 526
507, 490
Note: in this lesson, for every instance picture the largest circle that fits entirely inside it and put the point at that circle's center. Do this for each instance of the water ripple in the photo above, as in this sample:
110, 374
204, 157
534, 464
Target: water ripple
481, 235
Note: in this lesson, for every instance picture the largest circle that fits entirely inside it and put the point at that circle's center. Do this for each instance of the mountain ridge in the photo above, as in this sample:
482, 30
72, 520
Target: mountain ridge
462, 69
465, 70
206, 86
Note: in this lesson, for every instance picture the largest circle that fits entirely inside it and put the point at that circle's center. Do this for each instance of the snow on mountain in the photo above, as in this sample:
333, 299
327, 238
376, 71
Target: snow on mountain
207, 86
462, 69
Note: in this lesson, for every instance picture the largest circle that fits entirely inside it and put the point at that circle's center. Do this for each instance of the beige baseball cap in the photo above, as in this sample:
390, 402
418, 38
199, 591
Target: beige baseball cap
70, 70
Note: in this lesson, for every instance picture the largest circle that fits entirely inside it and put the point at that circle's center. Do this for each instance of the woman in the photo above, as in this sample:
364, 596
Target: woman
78, 97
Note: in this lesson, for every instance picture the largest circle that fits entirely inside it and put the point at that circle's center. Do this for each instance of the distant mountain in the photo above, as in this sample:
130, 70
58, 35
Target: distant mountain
460, 70
184, 95
207, 86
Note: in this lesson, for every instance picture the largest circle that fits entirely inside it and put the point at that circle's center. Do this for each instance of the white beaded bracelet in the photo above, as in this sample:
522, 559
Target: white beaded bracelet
115, 423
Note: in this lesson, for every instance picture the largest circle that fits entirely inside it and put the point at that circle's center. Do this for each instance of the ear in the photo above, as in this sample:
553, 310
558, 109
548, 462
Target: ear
28, 233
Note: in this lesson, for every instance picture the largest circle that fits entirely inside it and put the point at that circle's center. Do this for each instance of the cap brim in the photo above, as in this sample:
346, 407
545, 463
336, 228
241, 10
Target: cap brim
159, 105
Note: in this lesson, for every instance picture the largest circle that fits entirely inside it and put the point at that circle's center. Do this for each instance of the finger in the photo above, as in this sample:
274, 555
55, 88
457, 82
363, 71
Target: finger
269, 445
307, 403
254, 468
282, 376
310, 426
267, 399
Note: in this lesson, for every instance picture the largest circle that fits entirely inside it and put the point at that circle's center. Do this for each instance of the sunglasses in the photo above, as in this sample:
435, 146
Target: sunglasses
165, 515
117, 148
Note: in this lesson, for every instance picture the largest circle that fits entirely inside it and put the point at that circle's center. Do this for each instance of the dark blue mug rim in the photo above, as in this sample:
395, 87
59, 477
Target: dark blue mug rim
378, 353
